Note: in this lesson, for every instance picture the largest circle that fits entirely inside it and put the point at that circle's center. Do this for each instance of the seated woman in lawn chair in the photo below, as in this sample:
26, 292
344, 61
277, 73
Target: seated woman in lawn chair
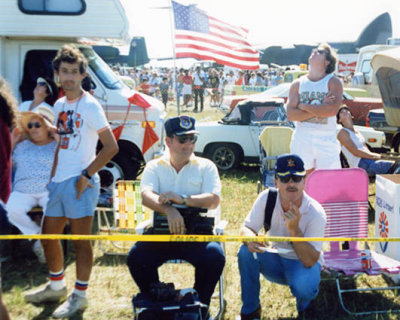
356, 151
181, 178
32, 162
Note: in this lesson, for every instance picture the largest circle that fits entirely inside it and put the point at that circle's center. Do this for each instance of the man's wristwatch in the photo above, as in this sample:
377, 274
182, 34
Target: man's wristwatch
185, 198
86, 174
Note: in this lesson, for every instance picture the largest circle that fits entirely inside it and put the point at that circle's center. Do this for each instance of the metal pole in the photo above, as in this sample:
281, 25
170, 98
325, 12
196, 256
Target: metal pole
172, 23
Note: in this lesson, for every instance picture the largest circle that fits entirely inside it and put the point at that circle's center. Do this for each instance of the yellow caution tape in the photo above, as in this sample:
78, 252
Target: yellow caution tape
185, 238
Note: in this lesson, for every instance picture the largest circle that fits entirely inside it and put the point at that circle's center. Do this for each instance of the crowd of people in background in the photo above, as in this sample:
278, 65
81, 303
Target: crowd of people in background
195, 83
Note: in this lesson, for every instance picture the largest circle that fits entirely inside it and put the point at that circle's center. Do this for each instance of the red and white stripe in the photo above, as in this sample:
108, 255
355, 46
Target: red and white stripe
225, 44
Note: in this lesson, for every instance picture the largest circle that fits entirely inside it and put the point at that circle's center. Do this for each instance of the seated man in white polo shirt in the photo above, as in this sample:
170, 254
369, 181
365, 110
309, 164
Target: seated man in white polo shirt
179, 177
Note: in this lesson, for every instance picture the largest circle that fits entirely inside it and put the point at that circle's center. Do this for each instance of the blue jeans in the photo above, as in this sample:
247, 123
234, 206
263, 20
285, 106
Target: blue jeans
374, 167
207, 257
303, 282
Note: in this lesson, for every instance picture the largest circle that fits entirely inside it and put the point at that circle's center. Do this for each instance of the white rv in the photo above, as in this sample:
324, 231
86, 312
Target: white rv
31, 32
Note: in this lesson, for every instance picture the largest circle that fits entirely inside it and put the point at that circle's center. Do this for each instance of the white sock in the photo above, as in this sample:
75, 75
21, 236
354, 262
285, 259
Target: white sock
57, 280
80, 288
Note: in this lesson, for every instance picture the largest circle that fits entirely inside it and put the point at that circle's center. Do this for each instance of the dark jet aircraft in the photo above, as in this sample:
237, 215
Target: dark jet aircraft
137, 53
375, 33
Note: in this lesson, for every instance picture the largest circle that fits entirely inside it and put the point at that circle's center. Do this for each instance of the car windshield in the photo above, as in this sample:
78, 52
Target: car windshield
278, 91
254, 112
101, 69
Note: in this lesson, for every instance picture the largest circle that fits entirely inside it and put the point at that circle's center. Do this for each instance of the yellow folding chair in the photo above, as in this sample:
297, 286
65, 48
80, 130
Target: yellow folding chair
126, 213
274, 141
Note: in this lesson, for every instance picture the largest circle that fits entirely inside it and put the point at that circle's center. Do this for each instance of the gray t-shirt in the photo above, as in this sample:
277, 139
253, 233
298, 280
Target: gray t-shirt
32, 165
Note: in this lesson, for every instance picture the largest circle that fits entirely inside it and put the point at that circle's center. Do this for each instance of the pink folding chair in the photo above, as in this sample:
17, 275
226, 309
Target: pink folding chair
344, 195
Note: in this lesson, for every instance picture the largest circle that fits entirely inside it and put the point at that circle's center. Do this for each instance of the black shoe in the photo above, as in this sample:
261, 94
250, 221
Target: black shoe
309, 313
255, 315
195, 110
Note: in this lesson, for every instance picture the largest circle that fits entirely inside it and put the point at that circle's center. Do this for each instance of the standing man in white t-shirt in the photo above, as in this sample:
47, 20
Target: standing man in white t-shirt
313, 102
75, 185
198, 89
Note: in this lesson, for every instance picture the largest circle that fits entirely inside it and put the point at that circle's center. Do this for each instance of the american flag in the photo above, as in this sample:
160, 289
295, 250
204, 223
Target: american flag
197, 35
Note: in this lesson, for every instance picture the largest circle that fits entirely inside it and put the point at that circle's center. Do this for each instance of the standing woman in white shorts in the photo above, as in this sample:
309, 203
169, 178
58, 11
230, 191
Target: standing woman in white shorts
313, 102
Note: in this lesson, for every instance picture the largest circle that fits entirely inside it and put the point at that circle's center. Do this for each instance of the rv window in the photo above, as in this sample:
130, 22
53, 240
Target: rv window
101, 69
52, 7
389, 80
366, 66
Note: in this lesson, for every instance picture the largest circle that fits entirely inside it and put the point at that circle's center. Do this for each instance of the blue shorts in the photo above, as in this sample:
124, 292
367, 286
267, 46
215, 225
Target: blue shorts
63, 202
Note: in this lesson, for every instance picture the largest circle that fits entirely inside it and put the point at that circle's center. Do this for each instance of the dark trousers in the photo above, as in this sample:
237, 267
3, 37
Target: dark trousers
5, 228
207, 257
164, 96
198, 93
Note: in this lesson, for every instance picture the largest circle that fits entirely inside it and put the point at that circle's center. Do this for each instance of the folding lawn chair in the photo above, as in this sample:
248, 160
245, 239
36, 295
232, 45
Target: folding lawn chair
344, 195
274, 141
219, 229
126, 213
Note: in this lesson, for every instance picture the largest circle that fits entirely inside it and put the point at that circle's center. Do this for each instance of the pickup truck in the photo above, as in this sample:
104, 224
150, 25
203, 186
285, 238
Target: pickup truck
376, 119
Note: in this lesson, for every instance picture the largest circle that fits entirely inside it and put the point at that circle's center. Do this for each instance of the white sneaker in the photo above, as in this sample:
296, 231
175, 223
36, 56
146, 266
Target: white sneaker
38, 250
73, 304
46, 294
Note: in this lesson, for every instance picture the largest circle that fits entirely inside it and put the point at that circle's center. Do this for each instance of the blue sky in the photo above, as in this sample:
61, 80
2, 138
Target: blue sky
270, 22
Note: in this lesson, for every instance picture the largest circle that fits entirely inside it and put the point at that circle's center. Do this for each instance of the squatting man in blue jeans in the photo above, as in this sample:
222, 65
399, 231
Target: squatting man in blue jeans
296, 264
182, 178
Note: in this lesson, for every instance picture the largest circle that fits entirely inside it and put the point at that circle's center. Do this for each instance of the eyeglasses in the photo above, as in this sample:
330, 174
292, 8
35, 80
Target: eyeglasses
286, 179
192, 138
320, 51
36, 124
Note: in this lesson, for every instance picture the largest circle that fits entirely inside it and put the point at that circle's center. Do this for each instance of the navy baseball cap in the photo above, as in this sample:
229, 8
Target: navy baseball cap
289, 164
180, 125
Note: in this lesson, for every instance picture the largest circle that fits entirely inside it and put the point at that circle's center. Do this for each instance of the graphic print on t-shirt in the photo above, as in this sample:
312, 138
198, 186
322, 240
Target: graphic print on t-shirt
313, 98
69, 126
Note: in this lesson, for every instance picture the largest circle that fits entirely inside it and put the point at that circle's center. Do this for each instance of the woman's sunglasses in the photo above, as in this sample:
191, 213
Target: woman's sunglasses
286, 179
192, 138
42, 84
36, 124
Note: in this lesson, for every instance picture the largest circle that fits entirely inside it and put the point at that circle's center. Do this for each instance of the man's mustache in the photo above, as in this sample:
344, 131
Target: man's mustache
290, 189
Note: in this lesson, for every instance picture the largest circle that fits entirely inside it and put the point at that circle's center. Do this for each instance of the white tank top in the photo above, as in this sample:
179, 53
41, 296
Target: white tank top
359, 141
314, 93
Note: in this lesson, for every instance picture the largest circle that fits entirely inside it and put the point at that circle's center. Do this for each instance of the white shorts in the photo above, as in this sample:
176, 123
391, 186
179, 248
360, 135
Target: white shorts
318, 151
187, 89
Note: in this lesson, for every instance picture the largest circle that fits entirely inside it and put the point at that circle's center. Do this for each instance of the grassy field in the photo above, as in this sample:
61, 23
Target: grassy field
111, 287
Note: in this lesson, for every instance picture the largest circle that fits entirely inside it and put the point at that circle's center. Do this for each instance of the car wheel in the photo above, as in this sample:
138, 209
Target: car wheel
123, 166
224, 155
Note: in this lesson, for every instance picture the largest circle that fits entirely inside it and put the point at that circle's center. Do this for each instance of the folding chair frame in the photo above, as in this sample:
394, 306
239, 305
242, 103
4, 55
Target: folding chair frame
128, 211
341, 291
331, 230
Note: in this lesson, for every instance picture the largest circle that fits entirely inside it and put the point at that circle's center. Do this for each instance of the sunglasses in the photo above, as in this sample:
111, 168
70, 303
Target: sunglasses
192, 138
36, 125
320, 51
286, 179
42, 84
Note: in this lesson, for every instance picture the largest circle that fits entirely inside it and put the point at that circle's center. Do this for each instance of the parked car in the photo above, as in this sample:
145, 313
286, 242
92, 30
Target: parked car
377, 119
359, 106
234, 139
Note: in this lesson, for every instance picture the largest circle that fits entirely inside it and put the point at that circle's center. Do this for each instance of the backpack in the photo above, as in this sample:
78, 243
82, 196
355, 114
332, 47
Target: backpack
167, 307
269, 208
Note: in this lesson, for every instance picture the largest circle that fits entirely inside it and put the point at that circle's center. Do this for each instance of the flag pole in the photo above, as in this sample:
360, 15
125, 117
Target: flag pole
172, 23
